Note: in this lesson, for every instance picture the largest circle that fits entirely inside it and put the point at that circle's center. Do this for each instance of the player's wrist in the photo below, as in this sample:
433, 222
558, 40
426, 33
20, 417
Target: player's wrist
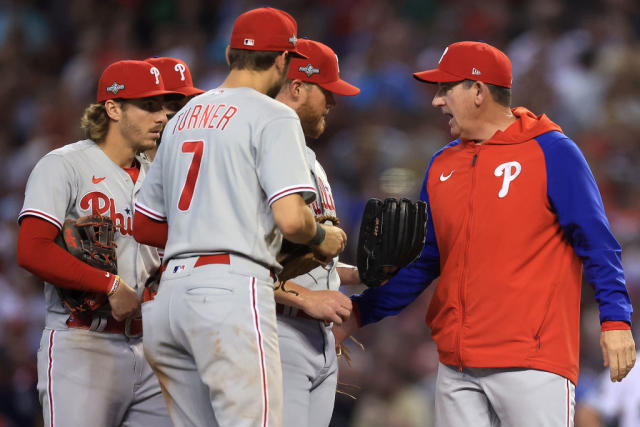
114, 286
318, 237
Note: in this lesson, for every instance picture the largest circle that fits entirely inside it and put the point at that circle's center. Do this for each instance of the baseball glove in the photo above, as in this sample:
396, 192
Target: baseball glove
297, 259
91, 240
392, 235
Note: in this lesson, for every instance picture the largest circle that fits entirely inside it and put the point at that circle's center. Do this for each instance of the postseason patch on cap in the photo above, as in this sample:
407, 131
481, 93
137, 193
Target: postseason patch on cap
115, 88
249, 42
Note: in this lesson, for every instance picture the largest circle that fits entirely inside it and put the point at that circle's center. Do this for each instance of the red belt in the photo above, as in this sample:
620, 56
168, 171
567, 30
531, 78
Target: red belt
130, 327
282, 309
213, 259
208, 259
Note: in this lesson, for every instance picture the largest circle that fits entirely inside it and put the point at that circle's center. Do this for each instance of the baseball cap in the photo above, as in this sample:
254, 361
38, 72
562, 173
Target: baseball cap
130, 80
470, 60
175, 74
320, 67
266, 29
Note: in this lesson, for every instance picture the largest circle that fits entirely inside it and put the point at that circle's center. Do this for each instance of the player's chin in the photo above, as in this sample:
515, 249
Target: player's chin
148, 144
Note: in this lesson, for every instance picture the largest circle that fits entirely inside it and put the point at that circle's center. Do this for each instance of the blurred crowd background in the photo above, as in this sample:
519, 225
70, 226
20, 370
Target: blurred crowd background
577, 61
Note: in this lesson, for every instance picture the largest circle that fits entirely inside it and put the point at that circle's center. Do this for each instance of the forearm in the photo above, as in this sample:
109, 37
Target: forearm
294, 219
41, 256
348, 274
291, 294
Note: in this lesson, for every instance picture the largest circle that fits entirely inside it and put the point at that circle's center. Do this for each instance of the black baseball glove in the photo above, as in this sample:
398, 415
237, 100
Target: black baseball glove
392, 235
91, 240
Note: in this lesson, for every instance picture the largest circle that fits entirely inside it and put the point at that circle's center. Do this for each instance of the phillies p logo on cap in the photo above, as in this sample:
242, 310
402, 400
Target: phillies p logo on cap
130, 80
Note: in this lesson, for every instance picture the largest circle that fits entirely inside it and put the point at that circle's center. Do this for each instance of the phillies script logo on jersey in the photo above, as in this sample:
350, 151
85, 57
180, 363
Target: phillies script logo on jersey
325, 199
99, 204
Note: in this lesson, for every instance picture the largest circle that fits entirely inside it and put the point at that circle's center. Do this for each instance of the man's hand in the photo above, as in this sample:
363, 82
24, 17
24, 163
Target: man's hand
343, 331
124, 302
334, 242
618, 352
330, 306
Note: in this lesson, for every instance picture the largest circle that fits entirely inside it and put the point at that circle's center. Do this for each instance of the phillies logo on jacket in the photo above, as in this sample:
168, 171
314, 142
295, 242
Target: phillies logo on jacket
98, 203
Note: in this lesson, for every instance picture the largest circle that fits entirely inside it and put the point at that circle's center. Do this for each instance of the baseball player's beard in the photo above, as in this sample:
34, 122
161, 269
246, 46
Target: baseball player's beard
274, 90
313, 123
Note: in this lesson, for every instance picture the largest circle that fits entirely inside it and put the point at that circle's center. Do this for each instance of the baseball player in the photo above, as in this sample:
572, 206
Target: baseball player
308, 304
230, 179
177, 78
91, 369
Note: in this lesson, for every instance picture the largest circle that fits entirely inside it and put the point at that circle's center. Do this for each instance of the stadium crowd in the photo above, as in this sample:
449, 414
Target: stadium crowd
576, 61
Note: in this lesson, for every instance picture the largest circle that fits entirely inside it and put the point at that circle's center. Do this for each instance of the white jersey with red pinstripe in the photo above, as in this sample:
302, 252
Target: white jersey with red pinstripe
88, 377
224, 159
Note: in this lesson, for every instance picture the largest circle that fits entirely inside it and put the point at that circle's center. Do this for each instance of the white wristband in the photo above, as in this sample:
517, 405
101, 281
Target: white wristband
114, 287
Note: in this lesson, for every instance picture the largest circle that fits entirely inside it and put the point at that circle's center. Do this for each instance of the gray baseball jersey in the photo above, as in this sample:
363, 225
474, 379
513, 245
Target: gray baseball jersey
217, 173
70, 182
211, 331
307, 347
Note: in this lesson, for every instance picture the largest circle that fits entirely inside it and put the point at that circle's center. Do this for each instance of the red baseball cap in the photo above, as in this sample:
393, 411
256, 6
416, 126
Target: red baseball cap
266, 29
175, 74
130, 80
320, 67
470, 60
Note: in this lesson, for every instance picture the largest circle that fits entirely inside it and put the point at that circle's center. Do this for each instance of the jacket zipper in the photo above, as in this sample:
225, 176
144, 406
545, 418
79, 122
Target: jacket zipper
463, 278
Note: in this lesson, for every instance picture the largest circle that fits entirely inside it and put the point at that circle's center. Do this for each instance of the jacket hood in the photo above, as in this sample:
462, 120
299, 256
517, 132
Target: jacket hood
526, 127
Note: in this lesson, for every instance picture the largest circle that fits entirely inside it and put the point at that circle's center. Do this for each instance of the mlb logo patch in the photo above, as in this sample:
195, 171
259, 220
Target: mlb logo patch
178, 268
249, 42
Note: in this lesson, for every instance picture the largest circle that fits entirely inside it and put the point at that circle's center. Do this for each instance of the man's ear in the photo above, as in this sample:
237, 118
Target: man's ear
480, 91
113, 109
226, 54
281, 62
296, 89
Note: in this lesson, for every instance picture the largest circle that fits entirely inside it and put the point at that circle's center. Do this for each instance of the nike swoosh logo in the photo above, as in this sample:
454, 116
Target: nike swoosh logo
444, 178
97, 180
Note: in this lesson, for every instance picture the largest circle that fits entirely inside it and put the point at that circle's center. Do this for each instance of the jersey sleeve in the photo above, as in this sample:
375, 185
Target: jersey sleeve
50, 190
375, 304
150, 200
574, 195
281, 163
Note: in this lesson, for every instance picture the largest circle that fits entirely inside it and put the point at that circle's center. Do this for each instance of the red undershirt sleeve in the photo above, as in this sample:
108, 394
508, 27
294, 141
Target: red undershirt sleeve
41, 256
149, 231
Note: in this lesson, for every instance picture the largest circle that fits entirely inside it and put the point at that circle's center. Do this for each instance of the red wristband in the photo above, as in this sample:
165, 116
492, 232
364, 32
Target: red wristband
614, 325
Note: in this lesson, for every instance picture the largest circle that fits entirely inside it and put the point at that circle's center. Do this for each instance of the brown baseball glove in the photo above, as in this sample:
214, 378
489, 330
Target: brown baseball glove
297, 259
91, 240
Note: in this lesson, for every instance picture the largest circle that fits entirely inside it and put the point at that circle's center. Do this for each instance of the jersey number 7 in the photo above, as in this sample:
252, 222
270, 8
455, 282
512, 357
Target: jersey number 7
196, 148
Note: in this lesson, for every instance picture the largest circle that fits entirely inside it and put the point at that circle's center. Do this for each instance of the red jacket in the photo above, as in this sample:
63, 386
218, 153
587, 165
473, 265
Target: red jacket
511, 222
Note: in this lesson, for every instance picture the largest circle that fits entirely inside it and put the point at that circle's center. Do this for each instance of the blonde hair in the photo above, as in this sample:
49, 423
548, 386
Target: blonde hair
95, 122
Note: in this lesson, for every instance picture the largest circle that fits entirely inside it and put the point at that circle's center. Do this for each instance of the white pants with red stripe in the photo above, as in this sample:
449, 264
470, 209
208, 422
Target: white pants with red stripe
210, 336
504, 397
97, 379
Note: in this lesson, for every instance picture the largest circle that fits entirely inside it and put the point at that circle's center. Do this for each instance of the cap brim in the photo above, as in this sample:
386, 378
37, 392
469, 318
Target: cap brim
340, 87
436, 76
188, 91
297, 54
148, 94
